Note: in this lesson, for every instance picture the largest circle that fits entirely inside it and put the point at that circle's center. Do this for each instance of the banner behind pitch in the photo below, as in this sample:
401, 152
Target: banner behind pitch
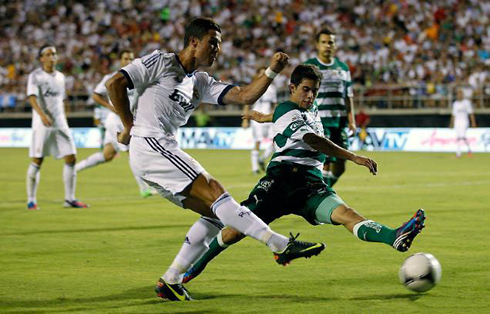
377, 139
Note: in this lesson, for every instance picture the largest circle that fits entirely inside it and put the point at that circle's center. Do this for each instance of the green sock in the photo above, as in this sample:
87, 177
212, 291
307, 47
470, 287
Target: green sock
372, 231
214, 250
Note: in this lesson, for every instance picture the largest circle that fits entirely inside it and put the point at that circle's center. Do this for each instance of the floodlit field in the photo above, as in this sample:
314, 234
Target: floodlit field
106, 259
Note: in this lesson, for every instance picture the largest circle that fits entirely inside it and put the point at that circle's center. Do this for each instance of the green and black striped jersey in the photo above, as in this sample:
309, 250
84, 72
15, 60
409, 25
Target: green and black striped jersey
291, 123
336, 86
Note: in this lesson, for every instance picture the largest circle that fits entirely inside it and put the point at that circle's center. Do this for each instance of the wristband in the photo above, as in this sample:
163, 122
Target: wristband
270, 74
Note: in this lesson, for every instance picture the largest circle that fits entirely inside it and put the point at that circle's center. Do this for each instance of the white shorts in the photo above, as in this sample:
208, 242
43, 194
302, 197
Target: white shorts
48, 141
163, 165
261, 131
113, 125
461, 128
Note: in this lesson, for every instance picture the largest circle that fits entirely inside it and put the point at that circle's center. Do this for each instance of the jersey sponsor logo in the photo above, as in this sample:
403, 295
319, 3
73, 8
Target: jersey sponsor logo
177, 96
51, 93
295, 125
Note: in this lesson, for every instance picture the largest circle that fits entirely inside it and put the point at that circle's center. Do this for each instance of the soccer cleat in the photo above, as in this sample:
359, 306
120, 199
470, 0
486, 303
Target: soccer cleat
32, 206
147, 193
408, 231
75, 204
296, 249
173, 292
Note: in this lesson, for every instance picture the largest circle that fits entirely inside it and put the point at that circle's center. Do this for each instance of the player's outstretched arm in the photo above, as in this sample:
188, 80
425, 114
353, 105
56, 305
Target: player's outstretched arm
249, 94
117, 89
257, 116
328, 147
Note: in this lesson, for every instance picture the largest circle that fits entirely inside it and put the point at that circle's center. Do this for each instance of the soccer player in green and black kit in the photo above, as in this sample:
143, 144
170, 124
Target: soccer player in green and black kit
293, 183
335, 103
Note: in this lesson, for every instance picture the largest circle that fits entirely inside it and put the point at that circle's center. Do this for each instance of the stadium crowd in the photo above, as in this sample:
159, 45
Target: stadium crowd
421, 45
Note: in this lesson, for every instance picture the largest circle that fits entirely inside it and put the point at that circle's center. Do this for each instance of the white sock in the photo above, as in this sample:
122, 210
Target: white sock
90, 161
255, 160
33, 177
70, 181
458, 147
196, 243
245, 221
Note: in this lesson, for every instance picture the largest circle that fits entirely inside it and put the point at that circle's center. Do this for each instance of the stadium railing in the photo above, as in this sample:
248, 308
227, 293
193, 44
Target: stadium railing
385, 99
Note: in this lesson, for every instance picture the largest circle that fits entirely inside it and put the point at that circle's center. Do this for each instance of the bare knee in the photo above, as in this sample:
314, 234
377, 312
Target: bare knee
109, 152
345, 215
38, 161
231, 236
70, 159
205, 188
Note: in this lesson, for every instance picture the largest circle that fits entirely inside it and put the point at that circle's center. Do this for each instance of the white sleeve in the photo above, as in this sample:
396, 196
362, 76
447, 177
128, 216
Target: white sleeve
63, 87
453, 110
350, 91
211, 91
100, 88
144, 70
32, 85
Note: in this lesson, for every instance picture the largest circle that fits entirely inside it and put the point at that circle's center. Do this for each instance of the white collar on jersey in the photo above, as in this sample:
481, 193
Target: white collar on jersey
326, 64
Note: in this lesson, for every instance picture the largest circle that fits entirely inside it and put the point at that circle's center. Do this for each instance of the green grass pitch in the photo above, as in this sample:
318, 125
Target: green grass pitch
107, 259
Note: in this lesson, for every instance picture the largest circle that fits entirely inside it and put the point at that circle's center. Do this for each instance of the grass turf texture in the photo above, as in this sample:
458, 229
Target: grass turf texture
107, 259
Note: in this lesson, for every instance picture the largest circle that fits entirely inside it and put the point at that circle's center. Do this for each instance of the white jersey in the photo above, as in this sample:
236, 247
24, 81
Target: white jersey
461, 110
102, 90
168, 95
264, 104
49, 88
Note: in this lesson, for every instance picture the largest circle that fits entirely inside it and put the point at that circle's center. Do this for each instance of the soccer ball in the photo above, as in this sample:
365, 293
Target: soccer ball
420, 272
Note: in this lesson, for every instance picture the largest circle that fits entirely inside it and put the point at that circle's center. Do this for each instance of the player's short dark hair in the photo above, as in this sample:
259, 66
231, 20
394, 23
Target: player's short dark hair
305, 71
120, 54
325, 30
46, 45
199, 27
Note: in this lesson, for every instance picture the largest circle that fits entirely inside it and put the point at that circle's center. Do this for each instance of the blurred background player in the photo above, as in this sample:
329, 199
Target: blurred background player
335, 100
50, 132
461, 115
113, 125
261, 132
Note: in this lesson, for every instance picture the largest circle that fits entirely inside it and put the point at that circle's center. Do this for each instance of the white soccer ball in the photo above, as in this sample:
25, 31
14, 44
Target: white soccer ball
420, 272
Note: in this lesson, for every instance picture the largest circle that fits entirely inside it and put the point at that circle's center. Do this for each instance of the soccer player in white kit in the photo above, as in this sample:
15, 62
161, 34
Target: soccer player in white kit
113, 125
51, 135
462, 109
261, 131
170, 88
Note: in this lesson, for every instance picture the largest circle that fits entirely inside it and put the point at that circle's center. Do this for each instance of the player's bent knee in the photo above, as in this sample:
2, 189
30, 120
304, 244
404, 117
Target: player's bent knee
206, 189
70, 159
231, 235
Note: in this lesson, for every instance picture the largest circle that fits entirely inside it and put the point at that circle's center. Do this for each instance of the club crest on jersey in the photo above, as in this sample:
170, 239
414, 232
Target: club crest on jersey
178, 97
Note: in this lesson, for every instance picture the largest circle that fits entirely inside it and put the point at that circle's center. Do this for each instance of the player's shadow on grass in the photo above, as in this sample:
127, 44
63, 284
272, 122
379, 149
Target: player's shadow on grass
407, 296
88, 230
129, 298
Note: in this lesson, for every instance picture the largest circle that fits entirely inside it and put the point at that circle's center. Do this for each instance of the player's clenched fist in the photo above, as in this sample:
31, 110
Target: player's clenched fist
279, 61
